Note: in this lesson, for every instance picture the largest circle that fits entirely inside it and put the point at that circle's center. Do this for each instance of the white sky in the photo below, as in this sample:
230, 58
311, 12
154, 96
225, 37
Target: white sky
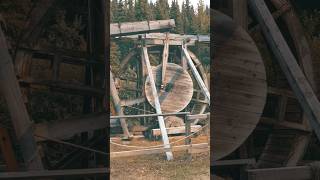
193, 2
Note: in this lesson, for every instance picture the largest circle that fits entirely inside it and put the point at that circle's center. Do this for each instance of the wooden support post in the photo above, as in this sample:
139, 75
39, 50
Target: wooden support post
56, 67
288, 64
196, 74
117, 104
165, 56
7, 151
240, 13
18, 111
184, 63
188, 132
157, 104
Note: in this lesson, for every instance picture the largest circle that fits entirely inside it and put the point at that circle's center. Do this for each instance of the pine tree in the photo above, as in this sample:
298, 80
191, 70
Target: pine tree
113, 10
162, 9
176, 15
121, 12
131, 11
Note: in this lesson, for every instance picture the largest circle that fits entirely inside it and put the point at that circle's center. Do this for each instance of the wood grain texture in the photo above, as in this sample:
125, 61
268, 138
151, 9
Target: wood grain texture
178, 92
239, 86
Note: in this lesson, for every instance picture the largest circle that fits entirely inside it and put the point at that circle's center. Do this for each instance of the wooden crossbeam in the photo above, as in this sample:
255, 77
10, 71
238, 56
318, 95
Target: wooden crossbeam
67, 128
284, 173
157, 103
288, 64
176, 130
56, 173
193, 148
120, 29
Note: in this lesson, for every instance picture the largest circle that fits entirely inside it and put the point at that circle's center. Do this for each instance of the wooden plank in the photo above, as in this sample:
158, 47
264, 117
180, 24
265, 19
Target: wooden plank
63, 129
196, 74
56, 173
117, 105
193, 148
130, 102
120, 29
157, 103
288, 64
18, 111
176, 130
7, 151
284, 173
234, 162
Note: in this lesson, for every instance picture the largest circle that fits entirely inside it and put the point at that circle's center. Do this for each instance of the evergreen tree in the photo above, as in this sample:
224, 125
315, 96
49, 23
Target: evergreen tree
162, 9
121, 12
176, 15
113, 10
130, 13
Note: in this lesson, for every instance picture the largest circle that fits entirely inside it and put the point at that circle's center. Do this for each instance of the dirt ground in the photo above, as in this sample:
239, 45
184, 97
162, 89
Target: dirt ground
156, 167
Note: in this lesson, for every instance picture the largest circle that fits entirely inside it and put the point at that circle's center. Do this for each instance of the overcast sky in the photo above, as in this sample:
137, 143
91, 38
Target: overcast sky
193, 2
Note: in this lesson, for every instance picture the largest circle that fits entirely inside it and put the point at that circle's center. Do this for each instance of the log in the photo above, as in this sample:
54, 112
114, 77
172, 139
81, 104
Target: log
176, 130
120, 29
63, 129
18, 111
288, 64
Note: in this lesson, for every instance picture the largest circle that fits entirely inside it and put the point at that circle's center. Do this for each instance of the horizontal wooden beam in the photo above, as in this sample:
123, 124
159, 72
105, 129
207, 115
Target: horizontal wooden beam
234, 162
284, 173
174, 39
63, 129
194, 148
120, 29
285, 124
56, 173
62, 86
176, 130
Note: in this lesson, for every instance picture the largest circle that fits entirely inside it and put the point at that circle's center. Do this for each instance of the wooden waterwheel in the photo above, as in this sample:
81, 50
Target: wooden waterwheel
178, 90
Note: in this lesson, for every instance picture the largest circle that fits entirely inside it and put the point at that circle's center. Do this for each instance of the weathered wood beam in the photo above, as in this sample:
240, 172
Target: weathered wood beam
18, 111
117, 105
165, 56
176, 130
175, 39
194, 148
234, 162
61, 86
56, 173
284, 124
63, 129
162, 125
120, 29
7, 151
196, 74
283, 173
288, 64
130, 102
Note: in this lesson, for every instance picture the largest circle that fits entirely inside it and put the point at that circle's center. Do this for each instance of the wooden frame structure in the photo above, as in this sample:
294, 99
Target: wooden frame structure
165, 39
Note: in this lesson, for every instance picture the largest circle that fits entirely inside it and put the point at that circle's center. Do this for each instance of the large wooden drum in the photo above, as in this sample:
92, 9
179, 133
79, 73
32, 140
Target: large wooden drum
239, 86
